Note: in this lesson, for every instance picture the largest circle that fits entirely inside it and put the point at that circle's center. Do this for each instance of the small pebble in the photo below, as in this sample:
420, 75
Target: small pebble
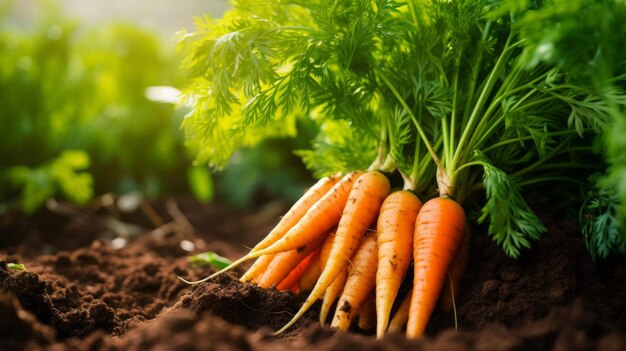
187, 245
118, 243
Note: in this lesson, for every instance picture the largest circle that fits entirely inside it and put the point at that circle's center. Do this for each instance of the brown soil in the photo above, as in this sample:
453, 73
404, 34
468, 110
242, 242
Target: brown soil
82, 291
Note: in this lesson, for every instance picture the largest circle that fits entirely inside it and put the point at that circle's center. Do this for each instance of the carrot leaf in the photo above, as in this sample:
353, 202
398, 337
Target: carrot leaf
600, 224
339, 147
512, 223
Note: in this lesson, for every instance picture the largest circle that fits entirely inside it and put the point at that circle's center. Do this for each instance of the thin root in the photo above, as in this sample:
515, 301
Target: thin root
230, 267
456, 322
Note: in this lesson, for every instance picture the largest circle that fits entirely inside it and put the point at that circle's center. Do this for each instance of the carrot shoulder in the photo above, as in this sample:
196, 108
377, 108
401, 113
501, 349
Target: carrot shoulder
359, 285
396, 226
360, 212
439, 233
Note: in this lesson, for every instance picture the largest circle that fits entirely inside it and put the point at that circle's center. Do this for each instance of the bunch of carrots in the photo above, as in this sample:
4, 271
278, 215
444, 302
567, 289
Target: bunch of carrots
350, 241
491, 100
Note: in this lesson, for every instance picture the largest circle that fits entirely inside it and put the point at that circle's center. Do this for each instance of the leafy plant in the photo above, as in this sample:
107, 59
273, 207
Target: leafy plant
65, 175
491, 99
70, 89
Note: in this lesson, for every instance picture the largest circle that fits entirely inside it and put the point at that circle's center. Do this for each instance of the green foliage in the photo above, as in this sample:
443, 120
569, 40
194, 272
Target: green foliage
37, 84
267, 171
615, 178
512, 223
68, 86
339, 147
600, 225
210, 259
253, 76
530, 86
201, 183
587, 38
401, 136
17, 266
119, 63
582, 36
65, 175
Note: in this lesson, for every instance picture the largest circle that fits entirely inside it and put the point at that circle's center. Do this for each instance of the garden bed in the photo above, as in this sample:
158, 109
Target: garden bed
87, 289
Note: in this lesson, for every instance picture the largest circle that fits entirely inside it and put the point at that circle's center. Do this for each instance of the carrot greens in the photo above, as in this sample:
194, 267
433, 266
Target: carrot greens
492, 101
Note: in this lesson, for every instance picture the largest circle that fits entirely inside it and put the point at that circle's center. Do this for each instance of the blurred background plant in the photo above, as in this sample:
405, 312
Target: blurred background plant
91, 108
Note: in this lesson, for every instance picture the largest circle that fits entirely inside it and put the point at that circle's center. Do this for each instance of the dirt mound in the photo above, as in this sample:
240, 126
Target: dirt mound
20, 329
98, 287
243, 304
556, 272
100, 296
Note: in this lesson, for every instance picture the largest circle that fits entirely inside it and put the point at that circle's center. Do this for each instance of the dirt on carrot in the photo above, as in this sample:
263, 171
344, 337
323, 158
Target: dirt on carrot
94, 296
395, 232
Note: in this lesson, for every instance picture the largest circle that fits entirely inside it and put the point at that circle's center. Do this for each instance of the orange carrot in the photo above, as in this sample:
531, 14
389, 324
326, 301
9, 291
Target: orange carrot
336, 287
291, 218
286, 262
398, 322
367, 315
360, 212
310, 274
332, 292
439, 233
294, 288
451, 288
396, 226
359, 285
256, 270
326, 247
317, 221
297, 211
292, 278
